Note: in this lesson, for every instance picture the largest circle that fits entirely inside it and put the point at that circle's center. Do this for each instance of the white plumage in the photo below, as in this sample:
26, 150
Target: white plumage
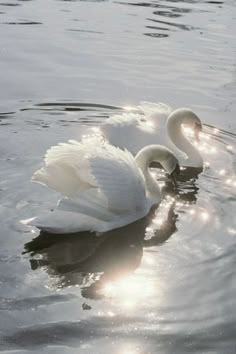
104, 187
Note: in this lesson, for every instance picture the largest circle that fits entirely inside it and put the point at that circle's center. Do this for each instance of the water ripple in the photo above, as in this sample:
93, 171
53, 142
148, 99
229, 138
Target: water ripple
24, 22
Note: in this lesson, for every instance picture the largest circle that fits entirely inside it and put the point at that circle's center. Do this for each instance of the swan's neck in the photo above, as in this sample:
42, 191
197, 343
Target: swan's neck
174, 128
143, 159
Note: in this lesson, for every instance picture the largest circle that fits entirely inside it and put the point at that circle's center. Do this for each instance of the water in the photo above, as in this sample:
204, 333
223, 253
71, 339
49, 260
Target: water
165, 284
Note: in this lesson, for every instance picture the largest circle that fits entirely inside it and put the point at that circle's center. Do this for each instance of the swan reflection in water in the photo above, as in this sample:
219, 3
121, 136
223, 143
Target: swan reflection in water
102, 265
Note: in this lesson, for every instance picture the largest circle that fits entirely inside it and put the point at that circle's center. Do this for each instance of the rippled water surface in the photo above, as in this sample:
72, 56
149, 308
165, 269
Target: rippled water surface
165, 284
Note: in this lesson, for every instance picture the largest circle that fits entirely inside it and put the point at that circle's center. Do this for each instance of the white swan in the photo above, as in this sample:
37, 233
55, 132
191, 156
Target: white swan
159, 125
104, 187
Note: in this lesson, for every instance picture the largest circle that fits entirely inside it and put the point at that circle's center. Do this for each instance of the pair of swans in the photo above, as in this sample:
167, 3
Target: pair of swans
106, 187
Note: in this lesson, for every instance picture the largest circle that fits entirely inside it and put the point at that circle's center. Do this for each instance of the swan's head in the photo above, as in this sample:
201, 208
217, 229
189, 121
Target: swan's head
162, 155
191, 120
187, 117
169, 162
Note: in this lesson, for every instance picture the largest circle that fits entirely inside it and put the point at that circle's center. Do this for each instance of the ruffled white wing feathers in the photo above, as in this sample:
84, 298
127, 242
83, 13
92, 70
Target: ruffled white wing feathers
66, 169
73, 167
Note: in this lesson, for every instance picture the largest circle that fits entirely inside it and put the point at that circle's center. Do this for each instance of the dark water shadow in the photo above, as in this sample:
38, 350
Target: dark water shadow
70, 106
91, 261
9, 4
22, 23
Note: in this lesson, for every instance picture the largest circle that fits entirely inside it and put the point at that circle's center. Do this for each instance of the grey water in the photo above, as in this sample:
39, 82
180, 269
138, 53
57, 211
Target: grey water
165, 284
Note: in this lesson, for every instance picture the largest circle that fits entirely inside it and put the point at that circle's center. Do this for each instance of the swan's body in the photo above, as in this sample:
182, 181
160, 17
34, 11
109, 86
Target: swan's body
104, 187
159, 125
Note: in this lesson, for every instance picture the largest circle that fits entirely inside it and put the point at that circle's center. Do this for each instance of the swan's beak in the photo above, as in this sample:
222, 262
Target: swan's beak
174, 174
197, 130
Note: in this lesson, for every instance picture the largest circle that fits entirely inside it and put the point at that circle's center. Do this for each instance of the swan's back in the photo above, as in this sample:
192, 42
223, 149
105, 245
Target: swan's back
134, 131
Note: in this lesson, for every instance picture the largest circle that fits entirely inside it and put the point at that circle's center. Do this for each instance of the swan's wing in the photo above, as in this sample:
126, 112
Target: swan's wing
119, 179
73, 168
66, 168
128, 131
91, 202
148, 108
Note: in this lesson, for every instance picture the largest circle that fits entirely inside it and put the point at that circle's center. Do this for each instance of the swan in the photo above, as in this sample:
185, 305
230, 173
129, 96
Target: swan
103, 187
159, 125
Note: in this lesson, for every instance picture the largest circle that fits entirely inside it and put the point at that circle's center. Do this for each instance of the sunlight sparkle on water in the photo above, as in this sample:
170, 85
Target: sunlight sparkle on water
204, 136
229, 147
96, 130
213, 150
158, 221
147, 258
231, 230
129, 350
222, 172
205, 216
110, 314
129, 291
130, 108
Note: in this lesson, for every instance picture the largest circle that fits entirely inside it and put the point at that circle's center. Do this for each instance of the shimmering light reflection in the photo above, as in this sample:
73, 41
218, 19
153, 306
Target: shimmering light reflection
130, 108
204, 136
129, 291
192, 211
229, 180
229, 147
205, 144
199, 213
205, 216
160, 216
148, 259
189, 132
96, 130
129, 350
222, 172
231, 230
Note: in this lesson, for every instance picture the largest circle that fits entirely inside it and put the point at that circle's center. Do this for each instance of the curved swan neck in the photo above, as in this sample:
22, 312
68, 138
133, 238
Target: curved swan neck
174, 127
144, 158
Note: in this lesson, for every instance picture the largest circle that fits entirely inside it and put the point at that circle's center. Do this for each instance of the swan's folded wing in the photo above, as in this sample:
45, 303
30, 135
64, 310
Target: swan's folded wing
120, 180
66, 169
127, 130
